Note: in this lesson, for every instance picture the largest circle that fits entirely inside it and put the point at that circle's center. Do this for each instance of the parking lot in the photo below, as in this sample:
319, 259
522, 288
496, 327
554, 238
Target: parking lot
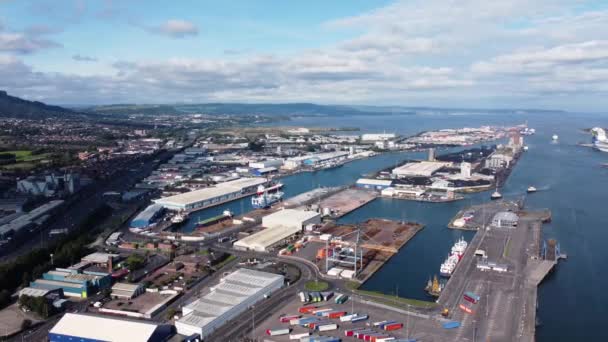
414, 327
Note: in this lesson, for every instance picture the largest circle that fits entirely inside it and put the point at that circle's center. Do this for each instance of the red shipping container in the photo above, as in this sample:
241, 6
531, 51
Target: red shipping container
379, 337
394, 326
337, 314
286, 319
469, 299
306, 309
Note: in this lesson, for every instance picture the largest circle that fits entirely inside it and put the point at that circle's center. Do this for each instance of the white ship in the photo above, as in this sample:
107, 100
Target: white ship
179, 218
266, 199
456, 253
531, 189
600, 141
555, 137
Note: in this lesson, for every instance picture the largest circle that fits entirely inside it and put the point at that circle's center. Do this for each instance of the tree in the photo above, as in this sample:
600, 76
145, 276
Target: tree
135, 262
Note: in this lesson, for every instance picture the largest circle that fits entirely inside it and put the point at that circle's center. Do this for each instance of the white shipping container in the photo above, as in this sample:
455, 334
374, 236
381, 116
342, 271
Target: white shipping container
347, 318
328, 327
298, 336
278, 332
385, 339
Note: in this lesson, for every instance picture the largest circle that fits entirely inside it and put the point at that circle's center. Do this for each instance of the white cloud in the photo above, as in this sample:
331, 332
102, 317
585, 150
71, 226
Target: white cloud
175, 28
27, 42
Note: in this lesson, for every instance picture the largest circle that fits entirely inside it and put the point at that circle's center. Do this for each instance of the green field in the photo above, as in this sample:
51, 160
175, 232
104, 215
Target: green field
397, 301
25, 159
316, 286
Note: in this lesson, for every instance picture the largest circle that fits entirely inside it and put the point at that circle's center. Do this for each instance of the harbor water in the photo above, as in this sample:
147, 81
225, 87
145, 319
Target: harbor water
570, 182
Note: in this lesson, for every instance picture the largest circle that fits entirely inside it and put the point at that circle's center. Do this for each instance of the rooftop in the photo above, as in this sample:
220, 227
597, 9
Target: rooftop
103, 328
211, 192
99, 258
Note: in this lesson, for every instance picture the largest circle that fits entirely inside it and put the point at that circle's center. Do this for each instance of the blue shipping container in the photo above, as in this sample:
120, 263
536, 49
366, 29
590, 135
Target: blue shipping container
451, 325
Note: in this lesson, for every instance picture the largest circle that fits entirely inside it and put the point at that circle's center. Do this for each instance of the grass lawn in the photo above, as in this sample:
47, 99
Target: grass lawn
316, 286
397, 301
25, 160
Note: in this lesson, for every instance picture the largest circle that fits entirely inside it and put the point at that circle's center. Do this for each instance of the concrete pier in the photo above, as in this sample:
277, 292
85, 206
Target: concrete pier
506, 282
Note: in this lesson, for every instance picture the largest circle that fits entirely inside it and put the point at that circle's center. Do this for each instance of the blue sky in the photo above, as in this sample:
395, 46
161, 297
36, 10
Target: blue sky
468, 53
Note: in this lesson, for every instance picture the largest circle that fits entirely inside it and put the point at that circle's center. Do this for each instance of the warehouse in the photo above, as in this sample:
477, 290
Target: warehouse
147, 216
424, 169
323, 158
378, 136
279, 226
127, 291
73, 283
291, 218
376, 184
208, 197
234, 294
85, 328
264, 172
266, 163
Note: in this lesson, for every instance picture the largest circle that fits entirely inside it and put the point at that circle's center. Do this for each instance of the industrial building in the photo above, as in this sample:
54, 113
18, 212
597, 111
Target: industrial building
147, 217
279, 226
266, 163
421, 169
264, 172
127, 291
376, 184
207, 197
88, 328
378, 137
505, 219
32, 219
50, 184
325, 158
234, 294
73, 282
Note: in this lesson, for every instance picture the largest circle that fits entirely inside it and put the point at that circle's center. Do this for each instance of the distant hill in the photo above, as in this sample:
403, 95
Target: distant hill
14, 107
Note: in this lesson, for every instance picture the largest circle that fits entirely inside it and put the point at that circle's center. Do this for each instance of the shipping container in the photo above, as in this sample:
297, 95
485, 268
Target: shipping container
385, 339
306, 309
381, 323
321, 312
451, 325
359, 318
351, 332
287, 319
327, 327
341, 299
393, 326
475, 298
298, 336
303, 297
277, 331
336, 314
347, 318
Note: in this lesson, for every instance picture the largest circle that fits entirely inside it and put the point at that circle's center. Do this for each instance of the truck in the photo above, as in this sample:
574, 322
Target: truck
471, 297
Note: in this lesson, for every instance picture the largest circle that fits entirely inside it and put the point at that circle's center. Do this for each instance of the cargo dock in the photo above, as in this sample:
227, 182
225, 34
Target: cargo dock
503, 265
346, 201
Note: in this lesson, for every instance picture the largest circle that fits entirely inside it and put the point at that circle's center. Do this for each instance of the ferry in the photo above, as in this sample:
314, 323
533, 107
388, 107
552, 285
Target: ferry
600, 142
456, 253
266, 199
274, 187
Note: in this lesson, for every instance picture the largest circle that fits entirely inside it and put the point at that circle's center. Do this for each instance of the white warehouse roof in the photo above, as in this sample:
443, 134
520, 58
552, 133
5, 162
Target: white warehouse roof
234, 294
260, 241
424, 168
211, 192
103, 329
289, 218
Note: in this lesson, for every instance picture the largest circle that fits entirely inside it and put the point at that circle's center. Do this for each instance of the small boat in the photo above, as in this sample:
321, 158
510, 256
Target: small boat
496, 195
531, 189
555, 137
525, 147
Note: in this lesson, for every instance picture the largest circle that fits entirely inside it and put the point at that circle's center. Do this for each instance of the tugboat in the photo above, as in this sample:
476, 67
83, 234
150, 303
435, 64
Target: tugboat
531, 189
434, 287
496, 195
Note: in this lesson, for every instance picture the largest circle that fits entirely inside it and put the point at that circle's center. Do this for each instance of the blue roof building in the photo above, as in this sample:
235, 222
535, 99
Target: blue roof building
147, 216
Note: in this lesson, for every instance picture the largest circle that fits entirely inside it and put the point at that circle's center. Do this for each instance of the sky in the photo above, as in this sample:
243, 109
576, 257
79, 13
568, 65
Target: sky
547, 54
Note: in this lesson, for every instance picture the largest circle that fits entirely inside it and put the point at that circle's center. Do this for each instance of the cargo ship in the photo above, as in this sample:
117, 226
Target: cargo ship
456, 253
267, 196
